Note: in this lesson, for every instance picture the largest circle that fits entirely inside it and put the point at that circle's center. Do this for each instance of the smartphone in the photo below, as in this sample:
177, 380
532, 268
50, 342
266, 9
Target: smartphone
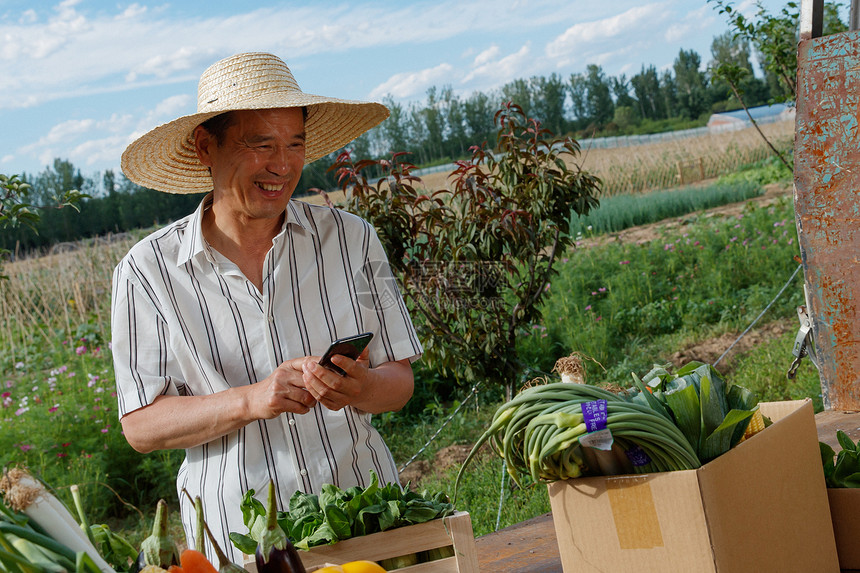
351, 346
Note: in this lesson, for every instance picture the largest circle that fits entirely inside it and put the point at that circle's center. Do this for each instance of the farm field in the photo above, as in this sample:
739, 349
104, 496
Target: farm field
641, 295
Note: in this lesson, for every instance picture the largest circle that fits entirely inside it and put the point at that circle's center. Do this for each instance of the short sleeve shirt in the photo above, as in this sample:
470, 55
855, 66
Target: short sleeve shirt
186, 321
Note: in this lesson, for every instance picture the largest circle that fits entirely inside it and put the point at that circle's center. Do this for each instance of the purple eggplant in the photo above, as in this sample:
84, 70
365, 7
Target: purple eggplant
275, 553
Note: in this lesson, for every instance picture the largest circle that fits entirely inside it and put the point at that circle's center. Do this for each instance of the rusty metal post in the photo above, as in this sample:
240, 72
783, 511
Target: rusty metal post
827, 202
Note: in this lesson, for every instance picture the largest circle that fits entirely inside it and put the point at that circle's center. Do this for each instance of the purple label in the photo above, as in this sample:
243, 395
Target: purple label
637, 456
594, 415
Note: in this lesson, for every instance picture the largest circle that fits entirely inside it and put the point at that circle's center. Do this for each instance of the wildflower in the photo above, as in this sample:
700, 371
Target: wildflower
67, 444
25, 447
105, 429
588, 307
62, 454
54, 408
81, 350
597, 318
19, 365
22, 410
624, 262
602, 289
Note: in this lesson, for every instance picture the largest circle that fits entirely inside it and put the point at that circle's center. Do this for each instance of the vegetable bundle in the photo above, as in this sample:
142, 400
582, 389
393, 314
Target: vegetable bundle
845, 470
39, 535
563, 430
337, 514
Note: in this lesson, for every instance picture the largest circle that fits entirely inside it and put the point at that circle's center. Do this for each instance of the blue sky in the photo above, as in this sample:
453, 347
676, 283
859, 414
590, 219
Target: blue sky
81, 79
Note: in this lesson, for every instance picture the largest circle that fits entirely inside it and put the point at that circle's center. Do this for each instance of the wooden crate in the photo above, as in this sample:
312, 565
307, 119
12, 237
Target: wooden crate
453, 531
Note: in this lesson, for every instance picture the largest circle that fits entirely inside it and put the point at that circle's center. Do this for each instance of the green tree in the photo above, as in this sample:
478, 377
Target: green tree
691, 85
598, 99
455, 120
578, 98
649, 98
519, 92
16, 209
394, 129
478, 115
548, 96
475, 261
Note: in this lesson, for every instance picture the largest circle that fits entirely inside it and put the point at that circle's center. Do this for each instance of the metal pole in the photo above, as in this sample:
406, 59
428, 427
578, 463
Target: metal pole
811, 18
854, 15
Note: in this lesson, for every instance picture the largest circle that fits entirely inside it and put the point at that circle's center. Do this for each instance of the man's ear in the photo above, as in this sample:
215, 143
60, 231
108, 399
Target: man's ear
202, 142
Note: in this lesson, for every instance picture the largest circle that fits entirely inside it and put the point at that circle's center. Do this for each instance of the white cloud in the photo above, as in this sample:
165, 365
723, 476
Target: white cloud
133, 11
613, 28
499, 71
693, 24
410, 84
487, 56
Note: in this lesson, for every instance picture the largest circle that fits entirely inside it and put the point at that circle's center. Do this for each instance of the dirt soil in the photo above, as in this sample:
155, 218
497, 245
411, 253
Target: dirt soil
707, 351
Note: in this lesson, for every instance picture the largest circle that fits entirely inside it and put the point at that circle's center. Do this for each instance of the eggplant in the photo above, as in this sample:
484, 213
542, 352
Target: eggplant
275, 552
158, 549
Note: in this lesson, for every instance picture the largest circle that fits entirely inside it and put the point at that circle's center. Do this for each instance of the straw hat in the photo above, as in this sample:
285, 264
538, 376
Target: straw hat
165, 159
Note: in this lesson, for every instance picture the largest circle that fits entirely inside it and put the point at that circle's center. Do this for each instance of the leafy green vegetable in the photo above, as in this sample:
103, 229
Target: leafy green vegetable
335, 514
712, 414
845, 471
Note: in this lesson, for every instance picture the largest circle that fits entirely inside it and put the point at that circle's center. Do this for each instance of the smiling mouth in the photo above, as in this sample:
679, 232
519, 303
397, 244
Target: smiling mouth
270, 187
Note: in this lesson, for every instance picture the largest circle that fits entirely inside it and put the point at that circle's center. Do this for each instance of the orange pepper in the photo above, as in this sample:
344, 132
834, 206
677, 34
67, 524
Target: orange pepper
193, 561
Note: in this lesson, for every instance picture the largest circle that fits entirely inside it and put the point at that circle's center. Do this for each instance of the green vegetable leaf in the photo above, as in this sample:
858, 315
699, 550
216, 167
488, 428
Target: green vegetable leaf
338, 521
827, 461
251, 508
685, 406
720, 440
845, 441
243, 543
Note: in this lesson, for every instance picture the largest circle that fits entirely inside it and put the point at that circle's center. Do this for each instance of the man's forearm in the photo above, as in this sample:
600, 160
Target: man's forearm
390, 386
179, 422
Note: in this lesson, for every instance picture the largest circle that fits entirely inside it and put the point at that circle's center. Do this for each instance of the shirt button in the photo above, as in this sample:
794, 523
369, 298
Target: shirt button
292, 422
304, 472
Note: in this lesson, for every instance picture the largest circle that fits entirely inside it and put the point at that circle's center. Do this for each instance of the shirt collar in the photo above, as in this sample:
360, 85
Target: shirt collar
193, 244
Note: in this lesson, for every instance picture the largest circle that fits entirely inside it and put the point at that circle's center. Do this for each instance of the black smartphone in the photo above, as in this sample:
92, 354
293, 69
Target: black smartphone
351, 346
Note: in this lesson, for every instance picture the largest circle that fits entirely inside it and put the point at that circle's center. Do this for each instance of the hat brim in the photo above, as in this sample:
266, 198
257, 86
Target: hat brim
165, 159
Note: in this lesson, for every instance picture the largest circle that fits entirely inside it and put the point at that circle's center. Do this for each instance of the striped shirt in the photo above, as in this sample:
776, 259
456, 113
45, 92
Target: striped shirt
186, 321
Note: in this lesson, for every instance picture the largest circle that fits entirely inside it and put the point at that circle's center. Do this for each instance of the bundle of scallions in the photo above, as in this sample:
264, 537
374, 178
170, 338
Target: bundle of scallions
664, 422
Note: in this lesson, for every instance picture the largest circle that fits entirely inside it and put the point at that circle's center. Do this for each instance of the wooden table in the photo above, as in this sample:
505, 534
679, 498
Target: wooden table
526, 547
531, 546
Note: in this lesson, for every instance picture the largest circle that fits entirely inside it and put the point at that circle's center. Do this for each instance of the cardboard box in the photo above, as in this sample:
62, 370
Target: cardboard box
453, 531
760, 507
845, 513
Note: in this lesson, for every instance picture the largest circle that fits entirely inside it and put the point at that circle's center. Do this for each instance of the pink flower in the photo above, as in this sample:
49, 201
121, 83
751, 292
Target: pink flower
624, 262
62, 455
54, 408
81, 350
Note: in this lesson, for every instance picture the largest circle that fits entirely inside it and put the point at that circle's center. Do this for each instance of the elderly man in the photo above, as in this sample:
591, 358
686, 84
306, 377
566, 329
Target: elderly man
219, 319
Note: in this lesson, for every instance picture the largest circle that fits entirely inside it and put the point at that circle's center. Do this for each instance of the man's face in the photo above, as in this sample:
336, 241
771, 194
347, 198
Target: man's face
258, 165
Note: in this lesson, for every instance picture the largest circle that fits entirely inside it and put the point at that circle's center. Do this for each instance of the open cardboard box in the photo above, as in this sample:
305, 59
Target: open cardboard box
760, 507
845, 513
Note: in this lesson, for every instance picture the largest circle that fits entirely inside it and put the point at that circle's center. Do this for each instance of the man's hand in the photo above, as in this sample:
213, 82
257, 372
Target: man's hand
282, 391
384, 388
330, 388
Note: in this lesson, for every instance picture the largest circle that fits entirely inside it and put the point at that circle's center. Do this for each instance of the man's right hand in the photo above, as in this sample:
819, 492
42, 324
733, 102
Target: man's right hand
282, 391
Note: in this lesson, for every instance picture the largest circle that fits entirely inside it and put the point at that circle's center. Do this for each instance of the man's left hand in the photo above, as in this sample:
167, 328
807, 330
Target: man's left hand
330, 388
